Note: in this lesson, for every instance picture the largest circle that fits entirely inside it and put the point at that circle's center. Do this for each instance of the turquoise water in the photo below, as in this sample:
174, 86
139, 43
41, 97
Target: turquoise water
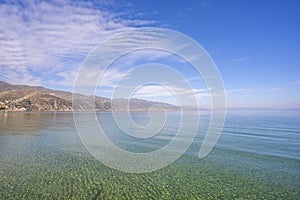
257, 156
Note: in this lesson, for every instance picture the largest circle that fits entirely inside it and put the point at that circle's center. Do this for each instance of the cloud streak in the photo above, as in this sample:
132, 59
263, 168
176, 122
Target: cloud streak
296, 82
38, 37
241, 59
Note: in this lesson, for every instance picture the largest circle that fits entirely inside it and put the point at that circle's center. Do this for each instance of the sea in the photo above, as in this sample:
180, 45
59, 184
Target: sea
257, 156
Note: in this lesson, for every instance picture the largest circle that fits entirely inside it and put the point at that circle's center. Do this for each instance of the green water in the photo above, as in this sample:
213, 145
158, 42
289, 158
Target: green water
256, 157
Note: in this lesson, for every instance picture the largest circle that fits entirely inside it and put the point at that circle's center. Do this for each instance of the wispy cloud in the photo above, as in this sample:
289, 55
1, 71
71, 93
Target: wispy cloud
274, 89
157, 91
111, 76
296, 82
205, 4
37, 37
181, 96
242, 92
241, 59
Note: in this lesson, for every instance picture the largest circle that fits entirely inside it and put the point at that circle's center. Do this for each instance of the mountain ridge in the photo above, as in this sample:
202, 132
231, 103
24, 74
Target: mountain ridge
38, 98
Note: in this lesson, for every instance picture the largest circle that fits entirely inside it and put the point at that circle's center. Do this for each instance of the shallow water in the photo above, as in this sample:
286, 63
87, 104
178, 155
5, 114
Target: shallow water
257, 156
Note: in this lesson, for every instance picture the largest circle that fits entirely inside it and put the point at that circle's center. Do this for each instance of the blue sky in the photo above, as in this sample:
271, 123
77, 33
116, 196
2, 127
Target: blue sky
255, 44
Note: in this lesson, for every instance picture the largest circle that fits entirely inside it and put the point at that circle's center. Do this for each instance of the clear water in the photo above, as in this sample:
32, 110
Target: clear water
257, 156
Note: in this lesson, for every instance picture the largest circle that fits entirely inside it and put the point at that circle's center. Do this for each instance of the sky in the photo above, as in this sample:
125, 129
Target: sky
254, 44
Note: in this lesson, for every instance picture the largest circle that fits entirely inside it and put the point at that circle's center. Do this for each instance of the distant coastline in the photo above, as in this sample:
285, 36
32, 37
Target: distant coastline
20, 98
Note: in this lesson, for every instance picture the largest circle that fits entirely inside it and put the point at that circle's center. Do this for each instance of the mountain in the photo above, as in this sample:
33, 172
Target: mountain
37, 98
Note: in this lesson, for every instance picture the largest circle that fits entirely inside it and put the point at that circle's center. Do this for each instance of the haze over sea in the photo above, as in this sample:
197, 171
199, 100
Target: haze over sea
256, 157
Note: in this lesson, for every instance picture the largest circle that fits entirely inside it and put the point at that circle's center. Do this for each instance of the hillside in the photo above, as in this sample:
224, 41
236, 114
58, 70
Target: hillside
37, 98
